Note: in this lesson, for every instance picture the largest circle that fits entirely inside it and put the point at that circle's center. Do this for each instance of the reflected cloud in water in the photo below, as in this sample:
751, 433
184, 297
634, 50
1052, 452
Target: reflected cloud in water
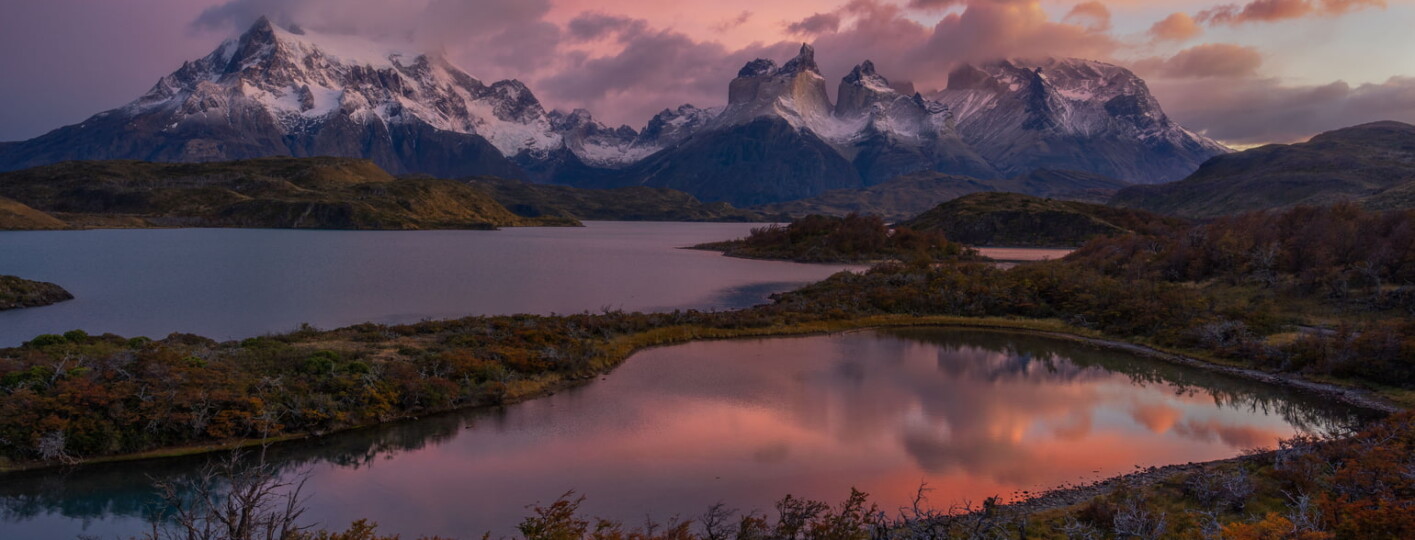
677, 429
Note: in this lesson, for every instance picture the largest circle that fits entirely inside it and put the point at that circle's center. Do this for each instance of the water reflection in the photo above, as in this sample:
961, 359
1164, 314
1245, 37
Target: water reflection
679, 428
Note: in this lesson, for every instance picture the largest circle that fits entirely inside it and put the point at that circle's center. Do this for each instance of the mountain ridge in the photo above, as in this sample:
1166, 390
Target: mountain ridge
286, 91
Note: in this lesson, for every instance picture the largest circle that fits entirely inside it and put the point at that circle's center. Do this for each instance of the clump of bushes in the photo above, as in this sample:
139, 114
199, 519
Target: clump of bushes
853, 238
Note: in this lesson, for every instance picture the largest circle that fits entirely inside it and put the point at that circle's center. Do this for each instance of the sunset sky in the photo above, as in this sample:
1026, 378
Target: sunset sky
1244, 73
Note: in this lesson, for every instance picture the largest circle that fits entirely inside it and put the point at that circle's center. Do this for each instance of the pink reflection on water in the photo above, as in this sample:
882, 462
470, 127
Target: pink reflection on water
678, 429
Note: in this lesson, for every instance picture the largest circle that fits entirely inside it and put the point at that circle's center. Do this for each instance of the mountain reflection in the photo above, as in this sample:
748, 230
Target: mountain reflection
973, 413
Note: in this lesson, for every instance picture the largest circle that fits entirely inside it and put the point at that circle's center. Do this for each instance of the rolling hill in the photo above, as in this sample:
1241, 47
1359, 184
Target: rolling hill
1373, 164
1012, 219
634, 203
910, 195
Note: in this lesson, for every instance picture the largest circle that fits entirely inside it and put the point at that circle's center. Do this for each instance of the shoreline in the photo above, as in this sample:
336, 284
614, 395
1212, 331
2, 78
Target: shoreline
620, 349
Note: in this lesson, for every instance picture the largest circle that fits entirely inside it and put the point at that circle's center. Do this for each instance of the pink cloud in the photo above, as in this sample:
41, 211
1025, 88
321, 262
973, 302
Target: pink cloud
1277, 10
1092, 15
1176, 27
1210, 60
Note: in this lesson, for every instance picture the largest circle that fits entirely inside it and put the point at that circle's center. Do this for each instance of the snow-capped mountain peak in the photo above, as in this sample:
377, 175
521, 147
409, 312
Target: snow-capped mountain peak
1010, 105
304, 79
794, 92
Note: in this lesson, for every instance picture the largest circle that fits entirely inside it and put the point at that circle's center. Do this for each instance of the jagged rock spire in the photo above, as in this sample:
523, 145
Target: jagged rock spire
804, 61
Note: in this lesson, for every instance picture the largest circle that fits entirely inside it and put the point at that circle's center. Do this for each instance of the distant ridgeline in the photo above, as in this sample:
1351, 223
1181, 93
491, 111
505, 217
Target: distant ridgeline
632, 203
910, 195
308, 193
1371, 164
319, 193
291, 92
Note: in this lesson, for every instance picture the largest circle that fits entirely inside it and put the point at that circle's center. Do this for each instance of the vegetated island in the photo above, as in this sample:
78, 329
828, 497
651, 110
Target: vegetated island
1013, 219
1277, 297
277, 192
18, 293
634, 203
853, 238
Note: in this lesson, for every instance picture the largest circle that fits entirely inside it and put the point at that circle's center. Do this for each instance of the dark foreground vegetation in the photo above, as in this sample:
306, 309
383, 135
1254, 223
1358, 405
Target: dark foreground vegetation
853, 238
1317, 293
18, 293
287, 193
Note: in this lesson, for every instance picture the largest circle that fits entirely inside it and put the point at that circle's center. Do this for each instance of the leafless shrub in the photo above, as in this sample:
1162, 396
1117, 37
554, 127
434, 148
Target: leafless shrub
232, 500
1134, 519
1210, 526
1303, 513
1076, 530
717, 523
1216, 489
52, 447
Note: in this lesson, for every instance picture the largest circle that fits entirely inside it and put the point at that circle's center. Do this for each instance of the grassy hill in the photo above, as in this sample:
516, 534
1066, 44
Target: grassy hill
853, 238
1372, 164
18, 217
299, 193
21, 293
636, 203
909, 195
1013, 219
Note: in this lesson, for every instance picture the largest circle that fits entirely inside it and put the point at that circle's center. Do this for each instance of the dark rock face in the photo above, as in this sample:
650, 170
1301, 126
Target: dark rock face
763, 161
1070, 114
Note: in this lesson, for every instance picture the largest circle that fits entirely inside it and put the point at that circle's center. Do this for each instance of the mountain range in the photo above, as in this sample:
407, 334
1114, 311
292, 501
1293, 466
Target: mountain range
276, 91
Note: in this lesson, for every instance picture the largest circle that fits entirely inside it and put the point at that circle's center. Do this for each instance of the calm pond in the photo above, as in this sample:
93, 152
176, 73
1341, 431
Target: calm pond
677, 429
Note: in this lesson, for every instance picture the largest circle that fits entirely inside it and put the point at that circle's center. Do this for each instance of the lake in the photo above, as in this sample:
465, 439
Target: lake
676, 429
671, 432
238, 283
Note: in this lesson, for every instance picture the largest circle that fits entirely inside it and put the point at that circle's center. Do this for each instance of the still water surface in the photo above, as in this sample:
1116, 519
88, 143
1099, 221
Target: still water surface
677, 429
231, 284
